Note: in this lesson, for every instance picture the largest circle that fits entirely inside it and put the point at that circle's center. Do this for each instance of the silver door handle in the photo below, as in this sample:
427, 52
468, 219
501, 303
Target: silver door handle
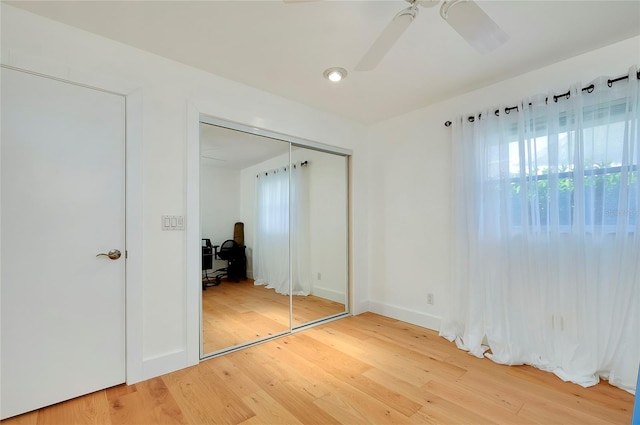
114, 254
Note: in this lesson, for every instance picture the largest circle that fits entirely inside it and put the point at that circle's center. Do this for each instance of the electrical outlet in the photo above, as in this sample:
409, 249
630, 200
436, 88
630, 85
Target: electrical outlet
429, 298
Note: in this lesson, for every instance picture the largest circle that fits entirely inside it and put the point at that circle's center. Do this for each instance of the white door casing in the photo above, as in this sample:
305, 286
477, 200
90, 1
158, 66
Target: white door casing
62, 197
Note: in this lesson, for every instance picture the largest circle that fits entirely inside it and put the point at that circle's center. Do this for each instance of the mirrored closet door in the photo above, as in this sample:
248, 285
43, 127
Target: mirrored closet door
273, 226
318, 235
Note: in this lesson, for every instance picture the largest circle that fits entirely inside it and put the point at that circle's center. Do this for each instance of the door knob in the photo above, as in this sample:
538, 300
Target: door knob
114, 254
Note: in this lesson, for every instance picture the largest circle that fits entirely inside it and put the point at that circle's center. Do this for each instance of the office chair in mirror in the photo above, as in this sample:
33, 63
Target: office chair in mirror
231, 253
207, 264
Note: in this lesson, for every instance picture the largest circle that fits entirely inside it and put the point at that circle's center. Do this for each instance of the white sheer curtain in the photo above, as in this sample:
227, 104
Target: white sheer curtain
547, 234
271, 244
300, 251
282, 211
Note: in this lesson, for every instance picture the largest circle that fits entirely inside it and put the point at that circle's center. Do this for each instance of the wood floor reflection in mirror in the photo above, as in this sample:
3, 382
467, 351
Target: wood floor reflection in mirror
235, 313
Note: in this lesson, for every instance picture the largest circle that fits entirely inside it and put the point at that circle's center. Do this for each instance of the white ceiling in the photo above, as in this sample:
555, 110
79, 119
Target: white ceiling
225, 148
283, 48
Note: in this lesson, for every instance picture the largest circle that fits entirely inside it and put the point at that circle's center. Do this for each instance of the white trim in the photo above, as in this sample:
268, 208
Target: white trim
330, 294
165, 363
62, 80
295, 141
193, 245
418, 318
361, 307
133, 238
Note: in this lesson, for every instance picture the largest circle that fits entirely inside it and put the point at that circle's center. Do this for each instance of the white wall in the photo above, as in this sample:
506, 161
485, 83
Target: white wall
400, 191
410, 203
328, 222
163, 326
219, 201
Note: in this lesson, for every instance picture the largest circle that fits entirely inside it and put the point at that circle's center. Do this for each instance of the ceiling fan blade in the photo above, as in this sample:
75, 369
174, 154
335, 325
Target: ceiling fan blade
387, 39
473, 24
213, 158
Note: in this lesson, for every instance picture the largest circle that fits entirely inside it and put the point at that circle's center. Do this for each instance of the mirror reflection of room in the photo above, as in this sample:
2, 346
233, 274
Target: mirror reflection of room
318, 235
282, 217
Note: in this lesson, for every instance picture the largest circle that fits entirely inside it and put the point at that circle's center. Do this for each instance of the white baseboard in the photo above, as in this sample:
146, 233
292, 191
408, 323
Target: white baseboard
329, 294
163, 364
418, 318
360, 307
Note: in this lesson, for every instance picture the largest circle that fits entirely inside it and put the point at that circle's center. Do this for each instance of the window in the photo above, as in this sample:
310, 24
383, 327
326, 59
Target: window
573, 177
272, 203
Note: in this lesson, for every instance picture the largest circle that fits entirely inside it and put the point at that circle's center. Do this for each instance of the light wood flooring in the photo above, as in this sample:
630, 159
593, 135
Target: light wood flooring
239, 312
357, 370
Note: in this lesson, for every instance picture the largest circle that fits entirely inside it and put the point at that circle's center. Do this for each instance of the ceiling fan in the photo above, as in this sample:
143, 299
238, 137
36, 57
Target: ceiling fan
465, 16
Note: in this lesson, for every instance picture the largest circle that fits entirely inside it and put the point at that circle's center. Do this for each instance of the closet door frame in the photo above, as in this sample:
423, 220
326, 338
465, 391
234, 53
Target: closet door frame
193, 243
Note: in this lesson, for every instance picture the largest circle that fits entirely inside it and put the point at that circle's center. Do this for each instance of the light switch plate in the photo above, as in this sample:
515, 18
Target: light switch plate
172, 222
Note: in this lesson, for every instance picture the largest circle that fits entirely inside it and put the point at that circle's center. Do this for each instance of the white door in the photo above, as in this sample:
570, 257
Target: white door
62, 198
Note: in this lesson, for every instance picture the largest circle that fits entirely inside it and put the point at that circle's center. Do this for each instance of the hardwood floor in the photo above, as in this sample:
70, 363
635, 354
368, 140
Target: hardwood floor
240, 312
363, 369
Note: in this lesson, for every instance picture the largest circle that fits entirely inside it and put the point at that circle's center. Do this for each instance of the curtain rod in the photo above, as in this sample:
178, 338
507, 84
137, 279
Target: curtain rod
295, 164
588, 89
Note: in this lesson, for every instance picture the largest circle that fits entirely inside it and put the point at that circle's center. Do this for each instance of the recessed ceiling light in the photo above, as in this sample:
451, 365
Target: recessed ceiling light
335, 74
